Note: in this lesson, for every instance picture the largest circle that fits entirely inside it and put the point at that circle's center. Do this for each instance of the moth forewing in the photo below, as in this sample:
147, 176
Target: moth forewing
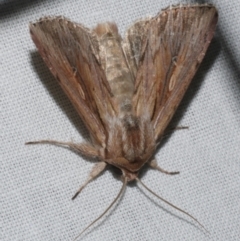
126, 91
176, 42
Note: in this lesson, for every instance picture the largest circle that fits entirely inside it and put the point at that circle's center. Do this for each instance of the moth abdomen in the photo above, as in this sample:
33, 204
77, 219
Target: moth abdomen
114, 63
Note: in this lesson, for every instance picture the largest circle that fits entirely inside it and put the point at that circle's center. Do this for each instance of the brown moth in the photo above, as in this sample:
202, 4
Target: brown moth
126, 90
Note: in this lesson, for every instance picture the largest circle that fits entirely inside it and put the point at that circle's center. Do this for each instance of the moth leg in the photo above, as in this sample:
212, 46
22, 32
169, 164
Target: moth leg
168, 132
179, 128
96, 170
153, 164
82, 148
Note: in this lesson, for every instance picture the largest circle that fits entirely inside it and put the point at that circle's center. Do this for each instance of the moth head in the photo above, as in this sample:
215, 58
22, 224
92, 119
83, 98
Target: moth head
129, 176
129, 169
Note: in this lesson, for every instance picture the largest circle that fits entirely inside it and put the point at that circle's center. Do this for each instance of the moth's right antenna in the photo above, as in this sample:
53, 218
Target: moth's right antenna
114, 201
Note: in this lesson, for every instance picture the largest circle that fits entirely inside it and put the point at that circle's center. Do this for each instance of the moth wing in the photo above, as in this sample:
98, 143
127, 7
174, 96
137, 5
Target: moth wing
134, 43
71, 53
173, 45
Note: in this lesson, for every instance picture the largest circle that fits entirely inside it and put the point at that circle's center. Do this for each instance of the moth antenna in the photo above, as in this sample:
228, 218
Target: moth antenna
113, 202
170, 204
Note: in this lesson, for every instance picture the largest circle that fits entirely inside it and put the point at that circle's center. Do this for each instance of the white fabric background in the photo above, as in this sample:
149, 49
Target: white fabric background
37, 182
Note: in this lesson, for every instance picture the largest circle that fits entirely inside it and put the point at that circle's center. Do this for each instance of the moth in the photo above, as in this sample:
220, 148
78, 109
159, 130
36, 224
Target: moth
126, 90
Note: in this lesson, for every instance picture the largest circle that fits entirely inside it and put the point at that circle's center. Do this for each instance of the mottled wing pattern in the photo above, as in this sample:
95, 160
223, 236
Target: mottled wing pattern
71, 53
167, 53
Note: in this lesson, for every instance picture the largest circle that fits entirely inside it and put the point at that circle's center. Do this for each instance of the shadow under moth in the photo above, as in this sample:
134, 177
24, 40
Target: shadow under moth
126, 90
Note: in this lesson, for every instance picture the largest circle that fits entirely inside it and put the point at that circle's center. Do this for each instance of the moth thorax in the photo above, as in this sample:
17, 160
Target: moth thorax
132, 138
131, 122
125, 107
